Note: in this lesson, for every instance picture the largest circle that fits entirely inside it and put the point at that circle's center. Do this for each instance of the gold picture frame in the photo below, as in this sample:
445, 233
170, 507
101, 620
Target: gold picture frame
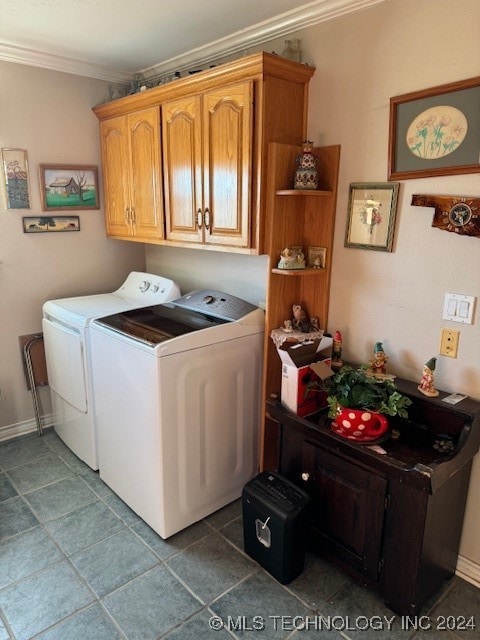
371, 215
317, 257
15, 178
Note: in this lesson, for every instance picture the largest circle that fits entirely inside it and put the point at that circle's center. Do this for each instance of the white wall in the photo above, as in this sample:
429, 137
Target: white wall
242, 276
361, 61
48, 114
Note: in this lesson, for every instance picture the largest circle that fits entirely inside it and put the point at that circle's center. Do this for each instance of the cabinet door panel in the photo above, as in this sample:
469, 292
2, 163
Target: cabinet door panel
146, 186
227, 138
349, 509
116, 175
182, 168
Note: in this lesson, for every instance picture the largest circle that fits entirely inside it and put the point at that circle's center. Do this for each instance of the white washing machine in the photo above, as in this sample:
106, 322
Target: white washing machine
66, 333
178, 393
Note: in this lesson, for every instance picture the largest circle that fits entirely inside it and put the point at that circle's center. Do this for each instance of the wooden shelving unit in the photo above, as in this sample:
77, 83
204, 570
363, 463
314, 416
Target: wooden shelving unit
302, 218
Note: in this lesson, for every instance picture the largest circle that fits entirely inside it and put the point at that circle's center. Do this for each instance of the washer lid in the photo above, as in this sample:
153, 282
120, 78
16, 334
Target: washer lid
153, 325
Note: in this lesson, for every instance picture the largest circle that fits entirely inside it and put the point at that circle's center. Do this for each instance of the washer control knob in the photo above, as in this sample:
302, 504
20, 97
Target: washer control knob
154, 288
144, 286
208, 299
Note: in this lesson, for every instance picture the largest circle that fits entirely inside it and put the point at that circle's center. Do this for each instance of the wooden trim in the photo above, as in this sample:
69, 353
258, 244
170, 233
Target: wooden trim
250, 67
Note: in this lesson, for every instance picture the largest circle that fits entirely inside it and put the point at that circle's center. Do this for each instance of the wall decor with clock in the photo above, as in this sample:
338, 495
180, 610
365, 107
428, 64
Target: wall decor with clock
459, 214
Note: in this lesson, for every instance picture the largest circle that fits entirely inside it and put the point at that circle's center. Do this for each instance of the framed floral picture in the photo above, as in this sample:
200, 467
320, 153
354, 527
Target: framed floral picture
435, 131
372, 208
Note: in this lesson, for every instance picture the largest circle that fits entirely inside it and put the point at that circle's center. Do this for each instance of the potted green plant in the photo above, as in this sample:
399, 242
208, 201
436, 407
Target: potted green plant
359, 404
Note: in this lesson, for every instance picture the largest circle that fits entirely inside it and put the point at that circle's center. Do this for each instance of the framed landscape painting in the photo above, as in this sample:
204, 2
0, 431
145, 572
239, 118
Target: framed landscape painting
15, 171
43, 224
69, 187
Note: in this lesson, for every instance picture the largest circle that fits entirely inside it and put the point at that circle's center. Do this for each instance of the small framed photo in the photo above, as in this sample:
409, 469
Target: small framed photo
43, 224
317, 257
371, 214
15, 174
435, 131
69, 187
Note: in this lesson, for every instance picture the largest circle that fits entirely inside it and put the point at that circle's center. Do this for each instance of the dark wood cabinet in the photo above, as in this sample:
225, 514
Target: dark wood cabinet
391, 519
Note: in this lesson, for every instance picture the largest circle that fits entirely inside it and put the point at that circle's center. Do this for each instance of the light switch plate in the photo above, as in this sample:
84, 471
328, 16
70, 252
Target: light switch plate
459, 308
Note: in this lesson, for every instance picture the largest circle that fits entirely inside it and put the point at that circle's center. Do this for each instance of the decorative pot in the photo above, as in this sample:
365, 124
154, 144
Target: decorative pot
359, 425
306, 175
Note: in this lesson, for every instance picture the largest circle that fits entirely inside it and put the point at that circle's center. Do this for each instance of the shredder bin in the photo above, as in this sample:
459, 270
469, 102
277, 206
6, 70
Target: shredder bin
275, 523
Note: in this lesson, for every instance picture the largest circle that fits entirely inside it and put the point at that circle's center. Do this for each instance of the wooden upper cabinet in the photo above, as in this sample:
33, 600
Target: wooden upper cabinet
182, 166
216, 127
132, 175
207, 157
114, 143
227, 165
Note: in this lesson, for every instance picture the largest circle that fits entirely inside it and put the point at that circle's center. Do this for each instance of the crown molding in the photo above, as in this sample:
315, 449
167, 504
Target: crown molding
282, 25
30, 57
277, 27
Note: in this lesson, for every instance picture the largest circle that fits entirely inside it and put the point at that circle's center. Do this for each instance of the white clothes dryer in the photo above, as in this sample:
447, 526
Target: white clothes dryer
178, 394
66, 333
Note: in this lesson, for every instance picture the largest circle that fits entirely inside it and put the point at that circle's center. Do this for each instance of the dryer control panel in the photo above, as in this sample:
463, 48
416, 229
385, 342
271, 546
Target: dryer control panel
216, 303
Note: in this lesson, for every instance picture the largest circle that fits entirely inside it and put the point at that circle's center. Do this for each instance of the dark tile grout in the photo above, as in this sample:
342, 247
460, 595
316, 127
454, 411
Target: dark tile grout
129, 526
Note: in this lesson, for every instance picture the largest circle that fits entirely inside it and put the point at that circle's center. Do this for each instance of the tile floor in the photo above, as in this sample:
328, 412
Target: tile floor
77, 564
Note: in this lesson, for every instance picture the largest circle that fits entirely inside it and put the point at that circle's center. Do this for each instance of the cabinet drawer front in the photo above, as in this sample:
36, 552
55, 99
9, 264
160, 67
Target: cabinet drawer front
349, 509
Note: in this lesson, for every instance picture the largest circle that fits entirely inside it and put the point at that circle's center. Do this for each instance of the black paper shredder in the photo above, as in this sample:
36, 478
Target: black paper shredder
275, 522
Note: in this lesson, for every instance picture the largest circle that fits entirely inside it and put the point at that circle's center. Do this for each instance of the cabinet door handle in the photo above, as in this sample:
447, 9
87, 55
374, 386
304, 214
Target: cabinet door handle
207, 218
305, 476
199, 219
132, 211
127, 214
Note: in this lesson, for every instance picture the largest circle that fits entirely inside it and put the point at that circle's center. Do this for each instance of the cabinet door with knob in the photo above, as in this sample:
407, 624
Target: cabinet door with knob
207, 154
347, 522
132, 175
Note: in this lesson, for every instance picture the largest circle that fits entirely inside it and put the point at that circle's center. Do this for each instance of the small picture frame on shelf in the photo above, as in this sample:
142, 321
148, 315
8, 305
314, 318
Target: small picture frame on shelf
317, 257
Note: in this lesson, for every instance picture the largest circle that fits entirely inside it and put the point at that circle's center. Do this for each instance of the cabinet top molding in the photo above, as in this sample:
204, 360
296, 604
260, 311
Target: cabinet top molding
256, 66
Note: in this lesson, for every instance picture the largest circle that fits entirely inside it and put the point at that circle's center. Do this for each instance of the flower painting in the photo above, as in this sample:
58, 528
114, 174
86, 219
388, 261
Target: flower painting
437, 132
371, 215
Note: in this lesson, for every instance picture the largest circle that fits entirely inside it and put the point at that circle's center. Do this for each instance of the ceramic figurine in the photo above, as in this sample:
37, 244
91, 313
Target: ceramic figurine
291, 258
426, 385
300, 321
314, 324
287, 326
306, 175
378, 365
337, 362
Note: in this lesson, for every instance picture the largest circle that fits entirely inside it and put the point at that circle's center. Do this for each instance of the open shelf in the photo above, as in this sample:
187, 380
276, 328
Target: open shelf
303, 192
295, 217
299, 272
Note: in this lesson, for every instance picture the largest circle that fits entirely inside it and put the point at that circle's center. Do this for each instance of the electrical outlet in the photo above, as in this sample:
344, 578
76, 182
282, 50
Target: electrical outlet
449, 342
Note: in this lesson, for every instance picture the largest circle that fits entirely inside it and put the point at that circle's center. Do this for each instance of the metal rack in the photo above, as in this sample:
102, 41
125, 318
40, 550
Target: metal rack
33, 353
